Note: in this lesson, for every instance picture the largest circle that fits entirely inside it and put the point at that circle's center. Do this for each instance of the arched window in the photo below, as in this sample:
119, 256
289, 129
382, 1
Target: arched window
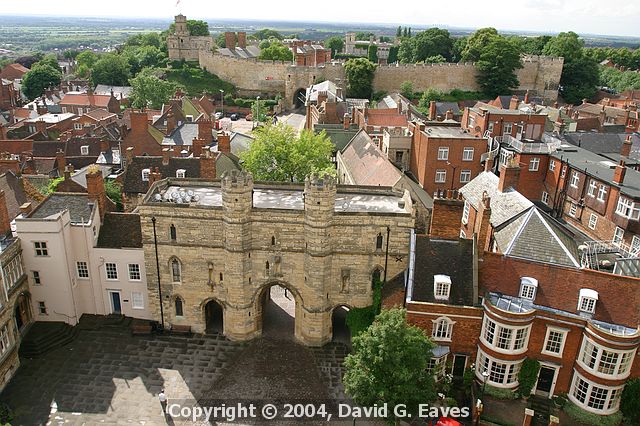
266, 267
442, 329
273, 240
379, 241
179, 311
172, 232
176, 273
221, 277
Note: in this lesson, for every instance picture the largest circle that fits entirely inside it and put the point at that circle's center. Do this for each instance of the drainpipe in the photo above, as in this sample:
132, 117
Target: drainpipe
155, 243
386, 256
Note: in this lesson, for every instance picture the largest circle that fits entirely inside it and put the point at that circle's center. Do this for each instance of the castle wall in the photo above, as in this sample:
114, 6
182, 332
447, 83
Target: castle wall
540, 75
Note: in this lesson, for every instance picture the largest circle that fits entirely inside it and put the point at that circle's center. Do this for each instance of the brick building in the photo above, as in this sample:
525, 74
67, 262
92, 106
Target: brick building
444, 157
80, 103
9, 95
309, 53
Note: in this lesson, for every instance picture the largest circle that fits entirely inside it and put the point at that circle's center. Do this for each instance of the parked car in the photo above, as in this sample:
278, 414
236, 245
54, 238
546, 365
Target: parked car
234, 117
219, 115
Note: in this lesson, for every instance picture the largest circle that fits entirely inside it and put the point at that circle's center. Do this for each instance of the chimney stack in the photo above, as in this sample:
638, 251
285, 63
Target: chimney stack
619, 172
446, 215
128, 156
166, 154
171, 122
626, 147
432, 110
104, 145
509, 176
208, 165
482, 226
205, 130
5, 221
67, 173
513, 104
154, 176
26, 209
526, 97
139, 121
95, 189
346, 121
224, 143
41, 126
242, 39
61, 162
448, 115
230, 40
197, 147
488, 164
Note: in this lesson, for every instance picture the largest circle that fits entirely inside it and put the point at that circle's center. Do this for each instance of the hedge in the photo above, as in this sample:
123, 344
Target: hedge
359, 319
591, 419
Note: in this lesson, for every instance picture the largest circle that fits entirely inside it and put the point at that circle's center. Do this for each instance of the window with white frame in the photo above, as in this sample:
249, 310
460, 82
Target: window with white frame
5, 340
500, 373
441, 286
145, 174
137, 300
635, 244
465, 176
604, 361
554, 341
504, 338
592, 188
545, 197
528, 288
35, 275
441, 176
134, 272
575, 179
84, 150
594, 397
41, 248
176, 271
42, 308
534, 164
180, 173
552, 165
442, 329
80, 111
587, 300
593, 221
618, 236
465, 212
602, 193
504, 157
77, 126
467, 154
443, 153
437, 366
82, 269
563, 172
112, 270
628, 208
13, 271
573, 209
507, 128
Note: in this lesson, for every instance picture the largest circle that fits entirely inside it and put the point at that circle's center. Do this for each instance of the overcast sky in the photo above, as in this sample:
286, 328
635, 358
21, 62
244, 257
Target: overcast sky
614, 17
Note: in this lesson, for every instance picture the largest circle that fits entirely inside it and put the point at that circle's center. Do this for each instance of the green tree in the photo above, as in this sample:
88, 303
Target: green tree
372, 53
150, 91
437, 59
389, 363
51, 60
40, 77
276, 52
70, 53
335, 43
399, 31
393, 54
87, 58
364, 36
266, 34
458, 46
496, 67
477, 43
278, 154
113, 190
140, 57
580, 74
405, 32
111, 69
406, 89
359, 72
221, 41
145, 39
429, 95
630, 401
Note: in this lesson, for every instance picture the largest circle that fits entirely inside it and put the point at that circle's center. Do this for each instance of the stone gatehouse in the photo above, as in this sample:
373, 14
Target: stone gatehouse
225, 242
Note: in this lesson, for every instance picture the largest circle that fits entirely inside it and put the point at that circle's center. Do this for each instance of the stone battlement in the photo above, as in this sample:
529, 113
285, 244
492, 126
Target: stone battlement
236, 179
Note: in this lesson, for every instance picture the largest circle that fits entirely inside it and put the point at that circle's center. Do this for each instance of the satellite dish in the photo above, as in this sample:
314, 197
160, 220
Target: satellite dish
183, 194
196, 198
158, 197
190, 193
167, 196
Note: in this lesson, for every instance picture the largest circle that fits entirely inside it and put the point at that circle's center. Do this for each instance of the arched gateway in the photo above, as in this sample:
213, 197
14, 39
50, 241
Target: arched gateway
242, 246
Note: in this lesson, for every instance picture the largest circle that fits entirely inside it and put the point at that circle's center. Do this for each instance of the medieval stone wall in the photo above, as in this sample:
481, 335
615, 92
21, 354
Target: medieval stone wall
325, 258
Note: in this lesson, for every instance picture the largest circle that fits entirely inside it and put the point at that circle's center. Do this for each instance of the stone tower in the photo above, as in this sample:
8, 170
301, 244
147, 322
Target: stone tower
181, 25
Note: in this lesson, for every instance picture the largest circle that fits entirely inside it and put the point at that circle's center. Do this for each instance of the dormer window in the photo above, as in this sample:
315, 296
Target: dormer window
145, 174
77, 126
587, 300
528, 288
181, 173
441, 286
84, 150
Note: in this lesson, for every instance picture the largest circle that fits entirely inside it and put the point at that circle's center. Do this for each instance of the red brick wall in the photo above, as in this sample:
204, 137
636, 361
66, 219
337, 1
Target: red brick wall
531, 183
619, 297
445, 218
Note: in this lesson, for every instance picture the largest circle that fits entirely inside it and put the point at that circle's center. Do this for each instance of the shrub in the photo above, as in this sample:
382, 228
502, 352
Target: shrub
528, 375
582, 416
630, 401
359, 319
6, 414
500, 393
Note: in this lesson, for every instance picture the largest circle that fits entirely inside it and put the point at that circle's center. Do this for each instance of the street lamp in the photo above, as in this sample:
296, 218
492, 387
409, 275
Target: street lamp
485, 377
222, 101
257, 120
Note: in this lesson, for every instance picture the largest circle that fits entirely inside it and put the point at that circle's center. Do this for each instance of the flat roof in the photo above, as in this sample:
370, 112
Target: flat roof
447, 132
51, 118
281, 198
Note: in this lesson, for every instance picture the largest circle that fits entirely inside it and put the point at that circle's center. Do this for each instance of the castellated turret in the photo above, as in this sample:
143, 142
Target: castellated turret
237, 201
319, 206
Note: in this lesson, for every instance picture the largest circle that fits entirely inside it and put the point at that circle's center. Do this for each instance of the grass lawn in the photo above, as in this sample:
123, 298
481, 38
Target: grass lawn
196, 80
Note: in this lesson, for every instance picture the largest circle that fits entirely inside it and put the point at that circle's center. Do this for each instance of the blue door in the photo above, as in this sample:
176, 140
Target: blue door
115, 302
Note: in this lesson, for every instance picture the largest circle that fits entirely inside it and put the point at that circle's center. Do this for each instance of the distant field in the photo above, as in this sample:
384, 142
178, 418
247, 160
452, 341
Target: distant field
22, 34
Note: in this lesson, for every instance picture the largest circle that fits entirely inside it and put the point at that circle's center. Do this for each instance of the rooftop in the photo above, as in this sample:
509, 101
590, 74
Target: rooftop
447, 132
80, 209
52, 118
365, 164
120, 230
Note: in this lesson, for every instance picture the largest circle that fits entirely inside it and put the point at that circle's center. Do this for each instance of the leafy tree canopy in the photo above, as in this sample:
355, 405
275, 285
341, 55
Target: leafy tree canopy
630, 401
278, 154
276, 52
87, 58
111, 69
150, 91
476, 44
388, 364
359, 72
266, 34
496, 66
335, 43
41, 76
195, 27
425, 44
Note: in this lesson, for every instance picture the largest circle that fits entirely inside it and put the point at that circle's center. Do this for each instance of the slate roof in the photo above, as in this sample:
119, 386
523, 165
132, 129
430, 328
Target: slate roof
119, 92
366, 164
601, 143
120, 230
443, 257
535, 236
80, 209
80, 176
250, 51
596, 109
443, 107
504, 205
240, 143
336, 133
182, 135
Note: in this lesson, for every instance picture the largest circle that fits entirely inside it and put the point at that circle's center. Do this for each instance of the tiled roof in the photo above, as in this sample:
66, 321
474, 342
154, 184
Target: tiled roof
120, 230
596, 109
84, 99
389, 120
366, 164
78, 205
504, 205
336, 133
443, 257
47, 149
537, 237
13, 193
100, 114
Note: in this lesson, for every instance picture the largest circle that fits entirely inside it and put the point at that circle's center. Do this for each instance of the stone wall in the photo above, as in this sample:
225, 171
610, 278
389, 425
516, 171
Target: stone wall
540, 75
325, 258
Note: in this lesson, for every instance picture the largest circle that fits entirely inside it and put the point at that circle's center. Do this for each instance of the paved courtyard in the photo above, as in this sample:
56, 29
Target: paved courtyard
107, 376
